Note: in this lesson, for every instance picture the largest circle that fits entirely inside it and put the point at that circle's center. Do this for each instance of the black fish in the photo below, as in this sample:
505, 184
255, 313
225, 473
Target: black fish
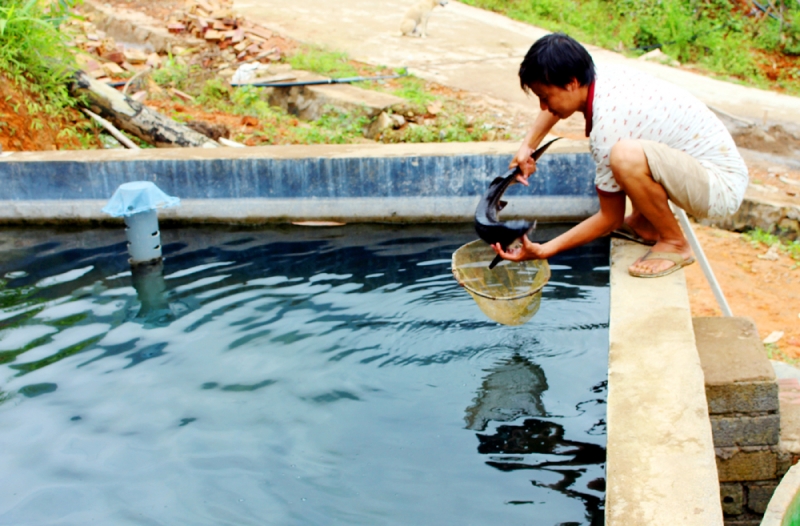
488, 227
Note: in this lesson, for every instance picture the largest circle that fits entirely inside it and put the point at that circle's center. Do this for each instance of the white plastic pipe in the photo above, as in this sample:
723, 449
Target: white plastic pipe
137, 202
144, 237
683, 219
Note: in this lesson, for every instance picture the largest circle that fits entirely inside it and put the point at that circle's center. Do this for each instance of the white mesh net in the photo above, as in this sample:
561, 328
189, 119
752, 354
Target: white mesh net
510, 293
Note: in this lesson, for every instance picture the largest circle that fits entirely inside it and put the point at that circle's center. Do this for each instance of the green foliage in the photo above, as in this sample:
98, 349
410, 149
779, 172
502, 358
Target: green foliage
792, 45
214, 91
413, 90
758, 238
775, 353
329, 63
278, 127
33, 52
710, 33
446, 127
333, 127
173, 73
85, 132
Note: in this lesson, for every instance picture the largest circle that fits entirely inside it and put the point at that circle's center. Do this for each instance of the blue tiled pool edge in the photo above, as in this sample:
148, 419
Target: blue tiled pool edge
414, 183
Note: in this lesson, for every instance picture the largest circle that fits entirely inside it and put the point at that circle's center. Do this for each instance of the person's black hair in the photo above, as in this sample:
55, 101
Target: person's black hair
555, 60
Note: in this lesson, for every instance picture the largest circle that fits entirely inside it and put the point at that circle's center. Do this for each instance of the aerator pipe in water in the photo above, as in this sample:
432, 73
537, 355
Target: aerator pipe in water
137, 203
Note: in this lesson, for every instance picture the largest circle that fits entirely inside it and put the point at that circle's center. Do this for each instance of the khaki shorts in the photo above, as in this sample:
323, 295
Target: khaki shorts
682, 176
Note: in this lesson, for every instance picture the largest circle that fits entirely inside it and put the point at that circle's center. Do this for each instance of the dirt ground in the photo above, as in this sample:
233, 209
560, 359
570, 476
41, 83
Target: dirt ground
755, 284
765, 289
21, 130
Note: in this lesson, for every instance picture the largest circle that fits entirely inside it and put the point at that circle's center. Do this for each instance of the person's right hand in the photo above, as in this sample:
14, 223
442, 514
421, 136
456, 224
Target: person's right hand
525, 162
523, 251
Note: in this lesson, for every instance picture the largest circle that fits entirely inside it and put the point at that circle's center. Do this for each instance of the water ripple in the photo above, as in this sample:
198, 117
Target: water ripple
299, 375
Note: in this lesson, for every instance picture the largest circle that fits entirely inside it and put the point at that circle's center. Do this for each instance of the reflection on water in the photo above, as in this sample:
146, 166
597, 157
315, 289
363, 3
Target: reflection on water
292, 376
148, 281
540, 438
513, 390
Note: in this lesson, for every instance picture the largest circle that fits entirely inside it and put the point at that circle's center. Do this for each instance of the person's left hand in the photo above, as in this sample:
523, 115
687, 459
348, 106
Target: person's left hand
522, 252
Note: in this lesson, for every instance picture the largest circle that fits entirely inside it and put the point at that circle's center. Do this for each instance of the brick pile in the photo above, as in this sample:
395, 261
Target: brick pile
205, 31
216, 23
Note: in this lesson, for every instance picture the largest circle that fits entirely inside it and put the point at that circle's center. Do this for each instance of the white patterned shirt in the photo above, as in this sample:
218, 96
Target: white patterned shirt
627, 104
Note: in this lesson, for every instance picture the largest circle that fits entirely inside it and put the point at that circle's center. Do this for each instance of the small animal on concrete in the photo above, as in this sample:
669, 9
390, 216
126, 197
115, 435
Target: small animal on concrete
488, 227
415, 21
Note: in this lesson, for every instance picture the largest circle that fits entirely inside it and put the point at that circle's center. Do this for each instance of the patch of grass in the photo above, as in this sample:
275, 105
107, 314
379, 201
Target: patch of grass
413, 90
214, 91
759, 237
446, 127
318, 60
718, 35
334, 127
277, 126
173, 73
33, 52
775, 353
84, 132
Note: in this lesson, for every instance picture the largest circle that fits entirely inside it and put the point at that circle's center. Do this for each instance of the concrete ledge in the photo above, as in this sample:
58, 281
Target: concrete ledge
260, 211
331, 151
661, 465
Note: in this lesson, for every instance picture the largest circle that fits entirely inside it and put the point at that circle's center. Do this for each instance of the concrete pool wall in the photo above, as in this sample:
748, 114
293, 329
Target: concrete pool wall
661, 468
403, 182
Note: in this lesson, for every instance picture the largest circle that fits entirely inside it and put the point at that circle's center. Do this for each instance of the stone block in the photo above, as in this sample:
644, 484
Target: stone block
742, 397
785, 460
758, 496
311, 102
738, 375
775, 214
762, 430
743, 522
747, 465
732, 496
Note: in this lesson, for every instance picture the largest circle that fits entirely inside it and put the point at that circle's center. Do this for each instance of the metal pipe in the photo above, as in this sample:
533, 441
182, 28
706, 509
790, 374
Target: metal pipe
346, 80
683, 219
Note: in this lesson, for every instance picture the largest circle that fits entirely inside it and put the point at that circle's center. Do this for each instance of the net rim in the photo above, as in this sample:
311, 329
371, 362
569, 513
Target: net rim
545, 267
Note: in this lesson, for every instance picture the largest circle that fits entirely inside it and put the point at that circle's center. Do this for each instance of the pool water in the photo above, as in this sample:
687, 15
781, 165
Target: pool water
294, 376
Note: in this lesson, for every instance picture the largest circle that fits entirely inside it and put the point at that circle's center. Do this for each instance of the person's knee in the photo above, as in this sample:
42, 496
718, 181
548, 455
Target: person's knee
627, 160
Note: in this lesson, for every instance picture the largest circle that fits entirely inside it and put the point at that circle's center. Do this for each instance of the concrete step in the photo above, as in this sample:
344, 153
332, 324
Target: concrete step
311, 102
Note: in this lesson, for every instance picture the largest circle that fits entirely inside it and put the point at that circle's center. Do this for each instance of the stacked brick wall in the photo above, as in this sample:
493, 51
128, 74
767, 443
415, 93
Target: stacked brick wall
743, 403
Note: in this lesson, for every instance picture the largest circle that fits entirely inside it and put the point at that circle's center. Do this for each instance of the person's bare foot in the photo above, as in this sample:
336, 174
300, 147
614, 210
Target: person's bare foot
642, 226
654, 265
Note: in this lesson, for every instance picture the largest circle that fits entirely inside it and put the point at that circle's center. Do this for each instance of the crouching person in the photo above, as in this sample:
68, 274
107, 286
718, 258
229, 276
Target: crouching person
651, 141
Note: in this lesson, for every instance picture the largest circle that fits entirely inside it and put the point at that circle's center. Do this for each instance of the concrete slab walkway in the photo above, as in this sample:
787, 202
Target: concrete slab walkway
661, 467
475, 50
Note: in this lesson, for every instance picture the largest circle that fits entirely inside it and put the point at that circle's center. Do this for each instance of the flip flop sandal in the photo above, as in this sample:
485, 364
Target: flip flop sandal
627, 232
677, 259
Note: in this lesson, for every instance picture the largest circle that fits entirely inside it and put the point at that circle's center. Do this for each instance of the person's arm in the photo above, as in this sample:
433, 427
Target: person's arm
542, 125
609, 218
